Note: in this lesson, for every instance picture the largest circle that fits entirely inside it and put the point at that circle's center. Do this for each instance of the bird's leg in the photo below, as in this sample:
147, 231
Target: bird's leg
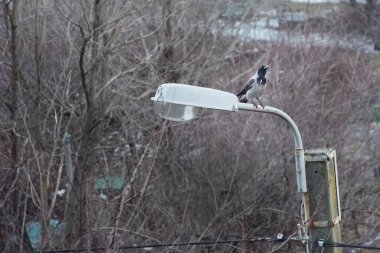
260, 103
254, 103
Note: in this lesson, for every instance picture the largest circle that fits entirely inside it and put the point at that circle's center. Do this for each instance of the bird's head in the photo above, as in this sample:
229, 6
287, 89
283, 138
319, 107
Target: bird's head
262, 70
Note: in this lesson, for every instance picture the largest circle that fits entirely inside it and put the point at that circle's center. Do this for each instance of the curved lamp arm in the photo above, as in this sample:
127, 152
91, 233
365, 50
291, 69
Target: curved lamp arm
299, 152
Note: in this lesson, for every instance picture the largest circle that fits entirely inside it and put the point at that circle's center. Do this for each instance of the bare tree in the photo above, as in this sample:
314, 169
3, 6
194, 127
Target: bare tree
13, 200
86, 70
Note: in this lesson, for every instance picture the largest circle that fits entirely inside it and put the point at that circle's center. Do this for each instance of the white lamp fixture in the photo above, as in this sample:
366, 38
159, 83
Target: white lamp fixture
181, 102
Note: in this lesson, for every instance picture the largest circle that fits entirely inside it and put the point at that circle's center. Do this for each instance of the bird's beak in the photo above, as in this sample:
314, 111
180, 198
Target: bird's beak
266, 67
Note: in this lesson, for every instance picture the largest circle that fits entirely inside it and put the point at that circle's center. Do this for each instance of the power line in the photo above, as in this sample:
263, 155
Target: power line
171, 244
343, 245
235, 242
324, 244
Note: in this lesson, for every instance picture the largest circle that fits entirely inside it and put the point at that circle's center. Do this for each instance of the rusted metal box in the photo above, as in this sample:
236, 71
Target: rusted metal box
322, 198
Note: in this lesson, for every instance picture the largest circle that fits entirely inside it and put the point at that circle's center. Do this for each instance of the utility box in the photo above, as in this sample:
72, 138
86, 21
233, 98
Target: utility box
322, 198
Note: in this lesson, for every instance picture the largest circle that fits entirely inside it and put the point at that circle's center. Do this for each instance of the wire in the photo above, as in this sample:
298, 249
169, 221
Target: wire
324, 244
172, 244
343, 245
315, 245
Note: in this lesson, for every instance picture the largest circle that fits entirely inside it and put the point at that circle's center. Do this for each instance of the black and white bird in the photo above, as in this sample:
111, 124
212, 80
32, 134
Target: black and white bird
255, 87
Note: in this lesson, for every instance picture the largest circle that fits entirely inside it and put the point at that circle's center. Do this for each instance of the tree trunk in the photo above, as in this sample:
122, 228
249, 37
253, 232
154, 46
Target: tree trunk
77, 230
168, 69
12, 233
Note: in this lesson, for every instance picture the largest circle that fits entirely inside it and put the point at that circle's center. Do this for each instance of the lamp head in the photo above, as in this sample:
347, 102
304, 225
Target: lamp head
181, 102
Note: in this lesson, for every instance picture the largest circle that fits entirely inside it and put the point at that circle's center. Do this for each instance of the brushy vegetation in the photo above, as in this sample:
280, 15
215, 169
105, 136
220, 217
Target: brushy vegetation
88, 68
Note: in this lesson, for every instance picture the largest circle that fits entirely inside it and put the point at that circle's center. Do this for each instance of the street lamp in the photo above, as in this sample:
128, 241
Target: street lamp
181, 102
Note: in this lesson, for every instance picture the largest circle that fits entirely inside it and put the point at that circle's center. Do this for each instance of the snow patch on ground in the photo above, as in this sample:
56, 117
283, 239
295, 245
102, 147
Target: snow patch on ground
266, 29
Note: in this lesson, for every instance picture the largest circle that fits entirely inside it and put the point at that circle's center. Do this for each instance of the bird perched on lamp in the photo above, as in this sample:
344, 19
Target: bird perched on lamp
255, 87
